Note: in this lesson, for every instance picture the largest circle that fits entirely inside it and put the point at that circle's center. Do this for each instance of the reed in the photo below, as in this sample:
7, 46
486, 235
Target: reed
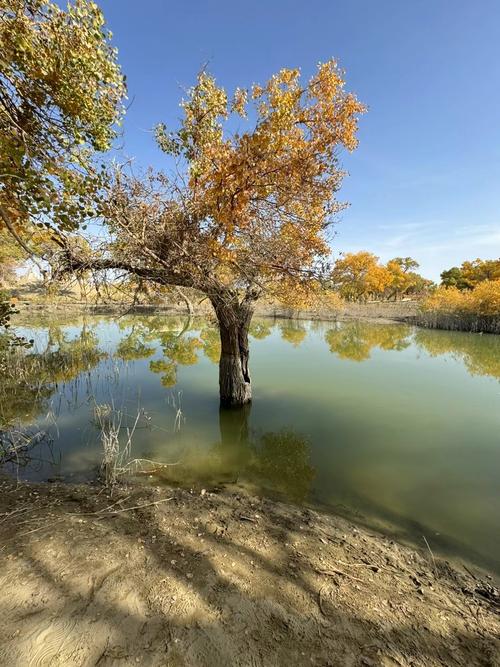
115, 454
476, 310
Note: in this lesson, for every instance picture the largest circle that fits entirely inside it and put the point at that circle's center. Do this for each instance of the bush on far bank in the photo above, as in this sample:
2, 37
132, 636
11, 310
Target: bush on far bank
476, 310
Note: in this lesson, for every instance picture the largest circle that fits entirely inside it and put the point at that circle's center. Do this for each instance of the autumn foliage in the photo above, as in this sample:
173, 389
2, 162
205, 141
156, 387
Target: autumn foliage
61, 91
360, 276
244, 211
475, 310
243, 214
470, 274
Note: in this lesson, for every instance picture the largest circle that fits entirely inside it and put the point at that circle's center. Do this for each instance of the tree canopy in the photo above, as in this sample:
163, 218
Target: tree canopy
61, 94
360, 275
470, 274
243, 213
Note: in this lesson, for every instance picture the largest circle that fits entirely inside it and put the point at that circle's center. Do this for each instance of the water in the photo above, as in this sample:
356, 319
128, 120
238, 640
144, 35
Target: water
399, 427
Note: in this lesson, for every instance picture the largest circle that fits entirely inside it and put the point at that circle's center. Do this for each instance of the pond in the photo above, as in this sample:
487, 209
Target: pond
394, 426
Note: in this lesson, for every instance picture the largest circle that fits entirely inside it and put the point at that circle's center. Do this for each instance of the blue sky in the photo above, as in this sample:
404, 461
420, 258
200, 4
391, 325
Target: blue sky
425, 180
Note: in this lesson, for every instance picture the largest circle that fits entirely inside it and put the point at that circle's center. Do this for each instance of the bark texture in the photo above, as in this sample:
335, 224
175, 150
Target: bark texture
234, 319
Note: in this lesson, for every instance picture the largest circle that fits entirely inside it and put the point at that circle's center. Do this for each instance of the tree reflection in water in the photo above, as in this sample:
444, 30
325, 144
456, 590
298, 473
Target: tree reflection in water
278, 462
32, 377
293, 332
356, 340
30, 381
480, 354
65, 363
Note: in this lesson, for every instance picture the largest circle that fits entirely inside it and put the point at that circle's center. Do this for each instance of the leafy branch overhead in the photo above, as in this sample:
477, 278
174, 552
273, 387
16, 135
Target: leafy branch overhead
61, 93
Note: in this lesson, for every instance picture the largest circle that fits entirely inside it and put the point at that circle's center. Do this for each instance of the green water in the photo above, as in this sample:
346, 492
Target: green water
399, 427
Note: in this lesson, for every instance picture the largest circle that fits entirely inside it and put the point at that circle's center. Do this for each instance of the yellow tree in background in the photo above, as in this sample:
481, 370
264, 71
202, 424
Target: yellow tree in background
359, 275
403, 276
470, 274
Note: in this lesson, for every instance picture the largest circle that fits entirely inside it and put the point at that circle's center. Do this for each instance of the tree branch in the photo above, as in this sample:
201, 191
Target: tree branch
6, 219
75, 264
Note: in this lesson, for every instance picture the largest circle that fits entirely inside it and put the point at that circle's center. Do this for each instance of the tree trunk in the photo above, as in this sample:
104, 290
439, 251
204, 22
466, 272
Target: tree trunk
234, 321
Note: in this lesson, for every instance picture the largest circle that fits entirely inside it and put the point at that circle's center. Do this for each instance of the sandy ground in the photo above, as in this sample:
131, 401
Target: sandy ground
222, 578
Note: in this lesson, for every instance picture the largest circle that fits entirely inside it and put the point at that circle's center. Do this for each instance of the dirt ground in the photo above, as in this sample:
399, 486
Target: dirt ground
154, 576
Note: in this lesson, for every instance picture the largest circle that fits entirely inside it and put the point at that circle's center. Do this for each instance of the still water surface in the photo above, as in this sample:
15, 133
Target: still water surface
399, 427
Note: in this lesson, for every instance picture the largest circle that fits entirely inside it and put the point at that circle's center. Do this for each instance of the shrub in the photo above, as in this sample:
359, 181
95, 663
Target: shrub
474, 310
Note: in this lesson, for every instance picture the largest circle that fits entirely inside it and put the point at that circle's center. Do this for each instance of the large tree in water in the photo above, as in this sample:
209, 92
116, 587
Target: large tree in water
244, 212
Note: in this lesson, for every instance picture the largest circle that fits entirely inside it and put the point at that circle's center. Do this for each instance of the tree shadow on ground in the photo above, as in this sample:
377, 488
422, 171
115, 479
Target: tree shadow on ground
221, 579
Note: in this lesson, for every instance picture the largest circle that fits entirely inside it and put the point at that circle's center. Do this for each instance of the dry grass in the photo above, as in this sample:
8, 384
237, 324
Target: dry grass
115, 454
476, 310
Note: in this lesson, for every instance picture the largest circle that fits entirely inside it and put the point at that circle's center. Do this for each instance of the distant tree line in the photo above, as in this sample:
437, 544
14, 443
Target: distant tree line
470, 274
361, 277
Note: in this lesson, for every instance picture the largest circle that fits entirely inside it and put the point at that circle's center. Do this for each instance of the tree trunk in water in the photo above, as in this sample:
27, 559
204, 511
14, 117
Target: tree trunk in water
234, 379
234, 443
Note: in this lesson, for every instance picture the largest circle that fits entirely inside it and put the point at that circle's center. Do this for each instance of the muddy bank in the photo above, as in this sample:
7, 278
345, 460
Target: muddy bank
156, 576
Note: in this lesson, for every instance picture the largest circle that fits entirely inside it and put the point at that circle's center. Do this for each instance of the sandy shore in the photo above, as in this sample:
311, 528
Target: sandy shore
158, 576
386, 311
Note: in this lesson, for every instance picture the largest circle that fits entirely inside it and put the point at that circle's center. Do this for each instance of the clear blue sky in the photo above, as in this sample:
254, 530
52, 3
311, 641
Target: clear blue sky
425, 180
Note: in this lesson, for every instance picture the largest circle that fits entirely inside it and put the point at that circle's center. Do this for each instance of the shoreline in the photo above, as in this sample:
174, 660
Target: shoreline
385, 313
402, 312
171, 576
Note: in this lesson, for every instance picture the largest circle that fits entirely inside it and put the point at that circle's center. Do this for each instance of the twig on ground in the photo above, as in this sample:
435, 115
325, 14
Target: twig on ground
432, 556
334, 571
99, 513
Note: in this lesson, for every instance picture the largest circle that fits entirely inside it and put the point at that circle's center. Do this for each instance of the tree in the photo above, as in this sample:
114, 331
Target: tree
451, 277
403, 276
471, 274
357, 275
244, 214
479, 270
60, 95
